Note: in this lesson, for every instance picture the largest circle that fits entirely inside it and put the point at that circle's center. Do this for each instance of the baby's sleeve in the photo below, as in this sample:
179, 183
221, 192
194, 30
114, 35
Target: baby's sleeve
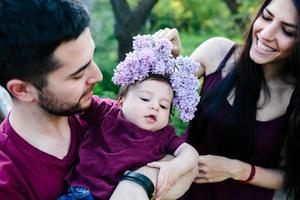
173, 140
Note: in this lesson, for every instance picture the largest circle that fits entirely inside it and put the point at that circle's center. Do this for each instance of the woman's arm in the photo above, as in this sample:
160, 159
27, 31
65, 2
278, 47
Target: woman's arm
210, 53
213, 168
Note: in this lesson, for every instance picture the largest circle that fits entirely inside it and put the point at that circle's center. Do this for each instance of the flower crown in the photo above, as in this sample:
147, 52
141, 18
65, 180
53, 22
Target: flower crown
153, 56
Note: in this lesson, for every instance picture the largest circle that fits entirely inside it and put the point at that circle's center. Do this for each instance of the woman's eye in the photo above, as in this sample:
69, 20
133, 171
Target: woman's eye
265, 17
288, 33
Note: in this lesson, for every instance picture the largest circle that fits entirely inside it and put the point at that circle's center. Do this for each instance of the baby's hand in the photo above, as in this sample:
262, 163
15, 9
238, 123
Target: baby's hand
167, 176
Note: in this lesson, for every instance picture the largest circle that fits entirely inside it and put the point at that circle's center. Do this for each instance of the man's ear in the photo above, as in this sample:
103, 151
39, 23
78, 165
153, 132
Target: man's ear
21, 90
120, 101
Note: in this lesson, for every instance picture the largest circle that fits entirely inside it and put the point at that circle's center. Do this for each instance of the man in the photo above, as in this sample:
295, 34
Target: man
46, 55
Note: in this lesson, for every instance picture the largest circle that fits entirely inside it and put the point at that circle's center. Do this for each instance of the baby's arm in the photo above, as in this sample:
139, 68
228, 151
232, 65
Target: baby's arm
128, 190
185, 160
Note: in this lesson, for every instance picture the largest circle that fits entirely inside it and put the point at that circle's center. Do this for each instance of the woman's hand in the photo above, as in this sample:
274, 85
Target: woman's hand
173, 36
217, 168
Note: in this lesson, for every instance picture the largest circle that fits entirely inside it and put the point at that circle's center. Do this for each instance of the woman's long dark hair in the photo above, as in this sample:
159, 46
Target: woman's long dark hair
293, 139
235, 138
293, 146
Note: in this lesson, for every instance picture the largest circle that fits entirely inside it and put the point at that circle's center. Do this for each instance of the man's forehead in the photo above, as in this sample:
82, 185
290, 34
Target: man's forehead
76, 53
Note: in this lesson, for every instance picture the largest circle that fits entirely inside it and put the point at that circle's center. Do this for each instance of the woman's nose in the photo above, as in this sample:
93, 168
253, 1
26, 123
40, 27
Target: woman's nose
268, 33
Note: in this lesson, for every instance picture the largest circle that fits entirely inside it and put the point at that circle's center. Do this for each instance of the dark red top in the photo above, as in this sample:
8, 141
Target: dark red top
28, 173
267, 153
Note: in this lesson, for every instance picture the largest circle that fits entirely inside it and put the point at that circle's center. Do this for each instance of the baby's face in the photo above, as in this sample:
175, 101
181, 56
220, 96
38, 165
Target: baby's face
147, 104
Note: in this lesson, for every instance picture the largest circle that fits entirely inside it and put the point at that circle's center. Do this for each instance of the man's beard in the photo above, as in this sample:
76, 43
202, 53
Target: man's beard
49, 102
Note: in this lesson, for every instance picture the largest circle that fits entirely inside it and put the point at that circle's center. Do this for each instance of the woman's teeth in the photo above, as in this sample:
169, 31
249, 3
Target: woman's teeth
264, 47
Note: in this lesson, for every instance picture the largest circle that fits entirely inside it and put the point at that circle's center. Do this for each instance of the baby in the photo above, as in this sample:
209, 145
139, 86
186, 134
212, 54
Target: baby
134, 130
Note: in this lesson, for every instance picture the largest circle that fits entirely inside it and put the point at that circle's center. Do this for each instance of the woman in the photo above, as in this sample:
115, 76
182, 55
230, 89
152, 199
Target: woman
240, 125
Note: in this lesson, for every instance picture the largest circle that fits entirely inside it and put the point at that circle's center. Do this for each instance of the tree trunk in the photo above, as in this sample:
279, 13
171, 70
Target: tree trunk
233, 6
129, 22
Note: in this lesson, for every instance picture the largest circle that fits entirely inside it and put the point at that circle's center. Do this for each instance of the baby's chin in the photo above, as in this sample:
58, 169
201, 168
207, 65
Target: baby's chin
150, 128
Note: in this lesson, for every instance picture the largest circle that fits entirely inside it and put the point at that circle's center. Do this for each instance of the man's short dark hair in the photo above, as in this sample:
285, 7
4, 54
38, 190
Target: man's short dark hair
31, 30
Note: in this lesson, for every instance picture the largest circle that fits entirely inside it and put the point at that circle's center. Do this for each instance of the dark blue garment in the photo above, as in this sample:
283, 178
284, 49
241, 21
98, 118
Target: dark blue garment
75, 193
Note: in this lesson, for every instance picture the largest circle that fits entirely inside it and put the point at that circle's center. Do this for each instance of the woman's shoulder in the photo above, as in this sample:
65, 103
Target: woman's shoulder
211, 52
219, 40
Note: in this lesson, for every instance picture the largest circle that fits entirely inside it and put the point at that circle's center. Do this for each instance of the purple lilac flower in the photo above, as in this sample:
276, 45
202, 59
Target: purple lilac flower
186, 64
163, 48
142, 41
154, 56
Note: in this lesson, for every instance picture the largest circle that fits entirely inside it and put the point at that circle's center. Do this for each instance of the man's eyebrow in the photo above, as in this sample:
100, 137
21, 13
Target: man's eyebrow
81, 68
285, 23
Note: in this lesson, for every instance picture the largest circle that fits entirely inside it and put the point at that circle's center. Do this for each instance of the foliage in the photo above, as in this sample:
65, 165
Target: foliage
191, 15
106, 45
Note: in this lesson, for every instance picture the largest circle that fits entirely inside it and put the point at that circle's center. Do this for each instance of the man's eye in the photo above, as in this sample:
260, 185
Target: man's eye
78, 76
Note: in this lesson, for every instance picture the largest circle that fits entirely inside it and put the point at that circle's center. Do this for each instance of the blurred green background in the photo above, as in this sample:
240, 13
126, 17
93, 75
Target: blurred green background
196, 20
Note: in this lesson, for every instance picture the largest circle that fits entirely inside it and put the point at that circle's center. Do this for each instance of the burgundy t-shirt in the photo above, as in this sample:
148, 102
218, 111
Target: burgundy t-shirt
28, 173
114, 145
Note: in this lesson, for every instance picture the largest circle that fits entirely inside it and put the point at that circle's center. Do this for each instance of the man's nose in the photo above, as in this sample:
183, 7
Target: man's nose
95, 74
